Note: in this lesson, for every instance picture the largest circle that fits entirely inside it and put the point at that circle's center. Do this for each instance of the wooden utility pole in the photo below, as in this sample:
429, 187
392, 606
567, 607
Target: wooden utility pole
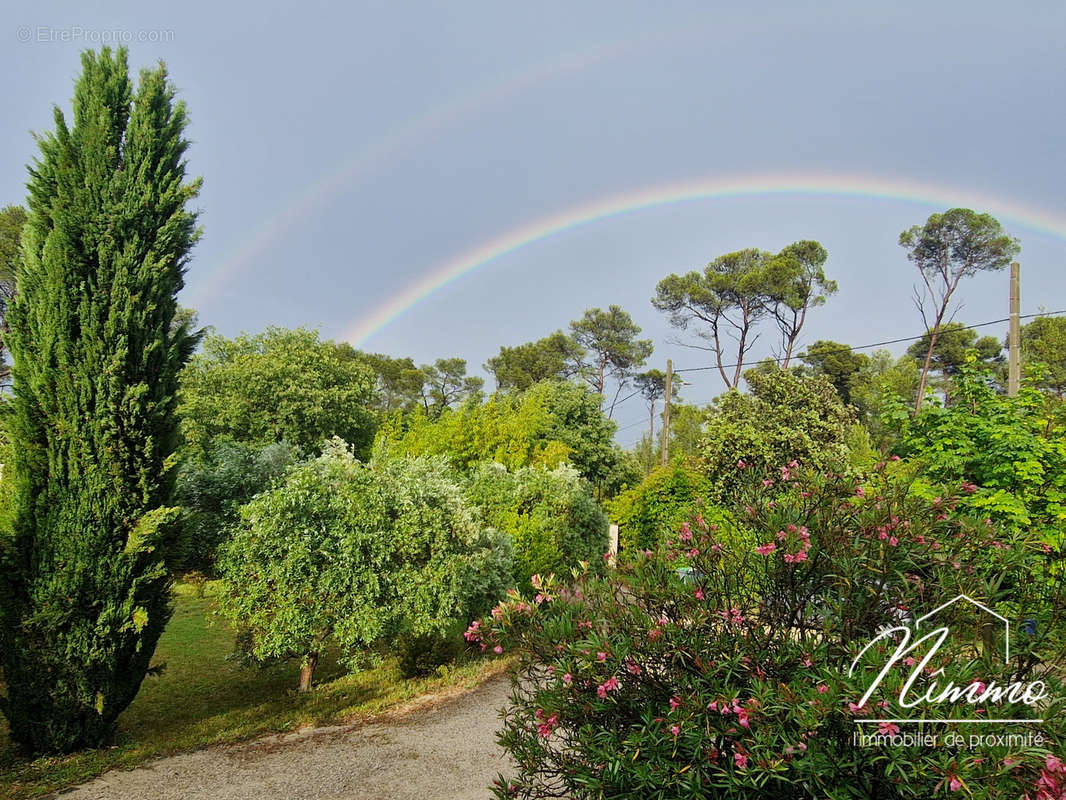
1014, 335
666, 412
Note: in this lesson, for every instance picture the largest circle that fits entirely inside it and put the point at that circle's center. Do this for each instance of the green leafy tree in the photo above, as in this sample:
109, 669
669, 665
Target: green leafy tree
445, 383
1044, 342
399, 381
279, 385
730, 296
86, 580
1007, 453
555, 357
552, 423
953, 344
796, 283
949, 247
785, 418
213, 486
612, 348
341, 554
838, 362
876, 389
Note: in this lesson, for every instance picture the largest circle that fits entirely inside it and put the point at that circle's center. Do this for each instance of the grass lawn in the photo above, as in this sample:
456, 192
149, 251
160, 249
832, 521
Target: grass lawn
205, 698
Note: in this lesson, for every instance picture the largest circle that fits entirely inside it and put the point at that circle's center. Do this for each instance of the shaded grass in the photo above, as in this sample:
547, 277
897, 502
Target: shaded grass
204, 697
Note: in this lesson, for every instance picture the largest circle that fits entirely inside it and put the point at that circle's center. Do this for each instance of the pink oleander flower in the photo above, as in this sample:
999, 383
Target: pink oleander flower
954, 783
860, 492
741, 464
601, 656
675, 730
567, 678
822, 689
675, 703
888, 729
699, 593
497, 649
741, 760
766, 549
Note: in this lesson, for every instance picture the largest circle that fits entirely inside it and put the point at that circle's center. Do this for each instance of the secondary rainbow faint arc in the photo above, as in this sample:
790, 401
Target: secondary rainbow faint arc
851, 185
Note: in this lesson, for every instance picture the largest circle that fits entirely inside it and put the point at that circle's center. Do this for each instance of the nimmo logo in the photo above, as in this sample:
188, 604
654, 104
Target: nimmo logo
986, 693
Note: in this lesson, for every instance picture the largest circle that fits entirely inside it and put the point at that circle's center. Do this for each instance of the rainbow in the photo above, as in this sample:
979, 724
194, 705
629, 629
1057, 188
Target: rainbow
407, 136
799, 184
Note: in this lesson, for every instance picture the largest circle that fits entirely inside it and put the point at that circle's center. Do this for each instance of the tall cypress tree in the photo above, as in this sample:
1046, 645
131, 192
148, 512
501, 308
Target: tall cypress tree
96, 349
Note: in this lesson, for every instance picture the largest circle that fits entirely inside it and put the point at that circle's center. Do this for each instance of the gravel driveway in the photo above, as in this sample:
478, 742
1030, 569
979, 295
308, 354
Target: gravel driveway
446, 751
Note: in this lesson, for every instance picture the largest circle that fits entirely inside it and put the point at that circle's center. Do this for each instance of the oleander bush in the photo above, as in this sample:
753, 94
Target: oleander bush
705, 669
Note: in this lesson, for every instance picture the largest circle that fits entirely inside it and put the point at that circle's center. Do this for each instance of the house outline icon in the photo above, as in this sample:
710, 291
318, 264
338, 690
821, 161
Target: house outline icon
983, 607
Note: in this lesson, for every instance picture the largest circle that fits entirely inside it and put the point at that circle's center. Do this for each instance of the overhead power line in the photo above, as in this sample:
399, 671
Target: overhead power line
850, 348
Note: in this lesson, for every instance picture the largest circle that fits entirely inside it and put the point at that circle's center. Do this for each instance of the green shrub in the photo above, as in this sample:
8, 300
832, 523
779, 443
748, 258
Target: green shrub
420, 655
785, 418
737, 683
552, 521
654, 509
552, 423
1009, 453
213, 486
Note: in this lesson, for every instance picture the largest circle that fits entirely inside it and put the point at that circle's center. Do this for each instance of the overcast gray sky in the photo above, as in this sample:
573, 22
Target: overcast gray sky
351, 152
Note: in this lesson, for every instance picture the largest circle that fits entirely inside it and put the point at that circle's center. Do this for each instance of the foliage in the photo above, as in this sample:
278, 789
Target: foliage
785, 418
279, 385
85, 576
877, 388
732, 679
949, 247
730, 296
613, 350
653, 510
555, 357
551, 520
953, 345
399, 381
1010, 452
552, 423
339, 553
738, 290
445, 383
12, 221
838, 362
308, 563
211, 487
796, 283
1044, 342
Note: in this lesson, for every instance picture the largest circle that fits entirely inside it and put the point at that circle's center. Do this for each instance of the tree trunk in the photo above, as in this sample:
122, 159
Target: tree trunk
928, 362
307, 671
